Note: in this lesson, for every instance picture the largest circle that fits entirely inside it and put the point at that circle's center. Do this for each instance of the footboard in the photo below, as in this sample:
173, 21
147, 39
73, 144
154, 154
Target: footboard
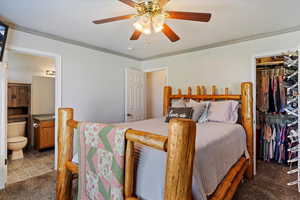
179, 145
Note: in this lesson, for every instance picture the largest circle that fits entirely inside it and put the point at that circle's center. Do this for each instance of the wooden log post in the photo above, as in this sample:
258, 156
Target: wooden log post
247, 122
180, 157
179, 92
129, 170
202, 91
167, 100
226, 92
198, 90
65, 153
189, 91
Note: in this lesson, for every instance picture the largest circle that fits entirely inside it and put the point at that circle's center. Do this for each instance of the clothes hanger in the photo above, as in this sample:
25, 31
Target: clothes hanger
292, 112
293, 171
293, 183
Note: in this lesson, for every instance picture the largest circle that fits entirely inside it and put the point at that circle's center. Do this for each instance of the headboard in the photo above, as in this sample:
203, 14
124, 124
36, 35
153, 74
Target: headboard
246, 99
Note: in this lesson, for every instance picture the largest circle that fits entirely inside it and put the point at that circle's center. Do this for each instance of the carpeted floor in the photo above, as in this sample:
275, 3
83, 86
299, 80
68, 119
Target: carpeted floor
269, 184
37, 188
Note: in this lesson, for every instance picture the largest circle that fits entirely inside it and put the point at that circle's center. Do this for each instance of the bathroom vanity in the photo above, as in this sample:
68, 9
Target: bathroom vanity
44, 132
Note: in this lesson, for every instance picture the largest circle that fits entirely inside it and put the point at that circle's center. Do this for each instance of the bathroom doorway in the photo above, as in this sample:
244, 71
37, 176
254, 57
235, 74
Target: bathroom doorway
30, 115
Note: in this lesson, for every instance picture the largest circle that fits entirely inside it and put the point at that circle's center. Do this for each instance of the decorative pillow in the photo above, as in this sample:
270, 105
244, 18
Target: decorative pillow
200, 110
223, 111
185, 113
179, 103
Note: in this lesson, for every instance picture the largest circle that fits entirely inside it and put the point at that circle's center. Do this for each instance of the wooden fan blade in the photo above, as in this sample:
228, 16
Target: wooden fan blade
102, 21
136, 35
162, 3
200, 17
170, 33
129, 3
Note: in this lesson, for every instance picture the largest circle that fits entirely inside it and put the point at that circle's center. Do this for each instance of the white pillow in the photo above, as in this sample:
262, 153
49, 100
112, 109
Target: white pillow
179, 103
223, 111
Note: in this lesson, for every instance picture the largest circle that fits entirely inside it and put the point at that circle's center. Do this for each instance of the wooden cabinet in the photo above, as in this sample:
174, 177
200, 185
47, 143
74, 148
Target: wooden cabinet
44, 134
18, 95
18, 105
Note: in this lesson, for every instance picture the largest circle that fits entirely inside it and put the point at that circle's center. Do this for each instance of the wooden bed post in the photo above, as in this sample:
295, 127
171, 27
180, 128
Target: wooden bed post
65, 153
181, 149
129, 170
167, 99
247, 122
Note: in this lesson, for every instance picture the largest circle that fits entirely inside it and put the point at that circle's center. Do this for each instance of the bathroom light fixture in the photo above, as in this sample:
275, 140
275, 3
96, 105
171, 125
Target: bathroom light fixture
50, 72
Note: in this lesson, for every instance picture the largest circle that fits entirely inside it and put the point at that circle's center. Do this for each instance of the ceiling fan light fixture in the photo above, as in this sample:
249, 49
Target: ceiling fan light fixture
138, 26
157, 28
151, 16
147, 29
144, 24
148, 23
158, 22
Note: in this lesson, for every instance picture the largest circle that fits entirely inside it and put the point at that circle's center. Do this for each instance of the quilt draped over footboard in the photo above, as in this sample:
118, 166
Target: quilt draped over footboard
101, 162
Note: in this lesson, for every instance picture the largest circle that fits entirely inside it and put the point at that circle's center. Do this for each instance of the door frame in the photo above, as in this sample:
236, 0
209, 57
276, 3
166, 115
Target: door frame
160, 69
166, 69
253, 80
58, 93
3, 126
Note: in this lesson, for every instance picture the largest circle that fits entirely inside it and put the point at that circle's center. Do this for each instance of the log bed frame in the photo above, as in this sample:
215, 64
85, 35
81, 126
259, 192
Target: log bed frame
179, 146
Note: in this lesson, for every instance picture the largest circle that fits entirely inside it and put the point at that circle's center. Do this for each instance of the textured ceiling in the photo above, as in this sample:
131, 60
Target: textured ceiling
231, 19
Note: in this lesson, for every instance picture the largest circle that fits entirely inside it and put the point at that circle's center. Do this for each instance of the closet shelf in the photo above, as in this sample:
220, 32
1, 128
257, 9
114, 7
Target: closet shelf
270, 63
18, 116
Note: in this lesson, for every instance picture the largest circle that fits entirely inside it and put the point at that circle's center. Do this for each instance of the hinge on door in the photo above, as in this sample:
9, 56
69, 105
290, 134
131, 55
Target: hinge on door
5, 161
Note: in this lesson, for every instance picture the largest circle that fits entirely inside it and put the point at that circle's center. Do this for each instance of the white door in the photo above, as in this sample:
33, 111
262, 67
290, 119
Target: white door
3, 122
134, 95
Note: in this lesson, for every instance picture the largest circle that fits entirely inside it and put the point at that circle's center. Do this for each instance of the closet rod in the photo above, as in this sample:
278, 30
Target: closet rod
270, 63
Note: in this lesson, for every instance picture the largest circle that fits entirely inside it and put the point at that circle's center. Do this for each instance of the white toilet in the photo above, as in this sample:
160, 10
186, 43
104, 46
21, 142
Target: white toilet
15, 139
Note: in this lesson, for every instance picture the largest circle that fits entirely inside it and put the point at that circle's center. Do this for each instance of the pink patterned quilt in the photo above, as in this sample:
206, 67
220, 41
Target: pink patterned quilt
101, 162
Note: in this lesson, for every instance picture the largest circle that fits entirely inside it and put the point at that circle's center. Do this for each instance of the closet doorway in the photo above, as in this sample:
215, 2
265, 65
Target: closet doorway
277, 114
155, 82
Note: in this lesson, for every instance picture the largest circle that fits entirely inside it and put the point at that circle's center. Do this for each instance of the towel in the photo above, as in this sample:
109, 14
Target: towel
101, 162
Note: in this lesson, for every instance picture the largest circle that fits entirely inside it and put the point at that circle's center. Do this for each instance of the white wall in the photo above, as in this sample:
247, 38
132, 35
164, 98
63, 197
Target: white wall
225, 66
155, 82
21, 67
92, 81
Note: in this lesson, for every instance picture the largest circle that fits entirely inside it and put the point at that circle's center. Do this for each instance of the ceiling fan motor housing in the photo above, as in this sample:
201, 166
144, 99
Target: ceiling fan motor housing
150, 7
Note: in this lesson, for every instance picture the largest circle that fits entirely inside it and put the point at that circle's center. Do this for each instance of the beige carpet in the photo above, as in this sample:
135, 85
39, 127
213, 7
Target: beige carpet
269, 184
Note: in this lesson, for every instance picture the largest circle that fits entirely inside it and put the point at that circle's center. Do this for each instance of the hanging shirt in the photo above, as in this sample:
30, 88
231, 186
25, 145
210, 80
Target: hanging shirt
271, 96
282, 93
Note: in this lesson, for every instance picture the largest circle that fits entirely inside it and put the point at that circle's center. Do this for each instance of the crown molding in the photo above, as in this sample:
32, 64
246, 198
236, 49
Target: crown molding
73, 42
226, 43
199, 48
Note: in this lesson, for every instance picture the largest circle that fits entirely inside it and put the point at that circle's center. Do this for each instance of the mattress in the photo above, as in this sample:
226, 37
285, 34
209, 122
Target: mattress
218, 147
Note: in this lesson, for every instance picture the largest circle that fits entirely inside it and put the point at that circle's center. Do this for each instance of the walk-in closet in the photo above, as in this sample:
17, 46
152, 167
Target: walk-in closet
277, 113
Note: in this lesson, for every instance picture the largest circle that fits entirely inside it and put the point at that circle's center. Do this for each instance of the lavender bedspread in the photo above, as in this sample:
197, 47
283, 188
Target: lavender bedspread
218, 147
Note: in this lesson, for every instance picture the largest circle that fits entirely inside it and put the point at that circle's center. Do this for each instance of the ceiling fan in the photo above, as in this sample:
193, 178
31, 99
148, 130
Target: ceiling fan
151, 18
